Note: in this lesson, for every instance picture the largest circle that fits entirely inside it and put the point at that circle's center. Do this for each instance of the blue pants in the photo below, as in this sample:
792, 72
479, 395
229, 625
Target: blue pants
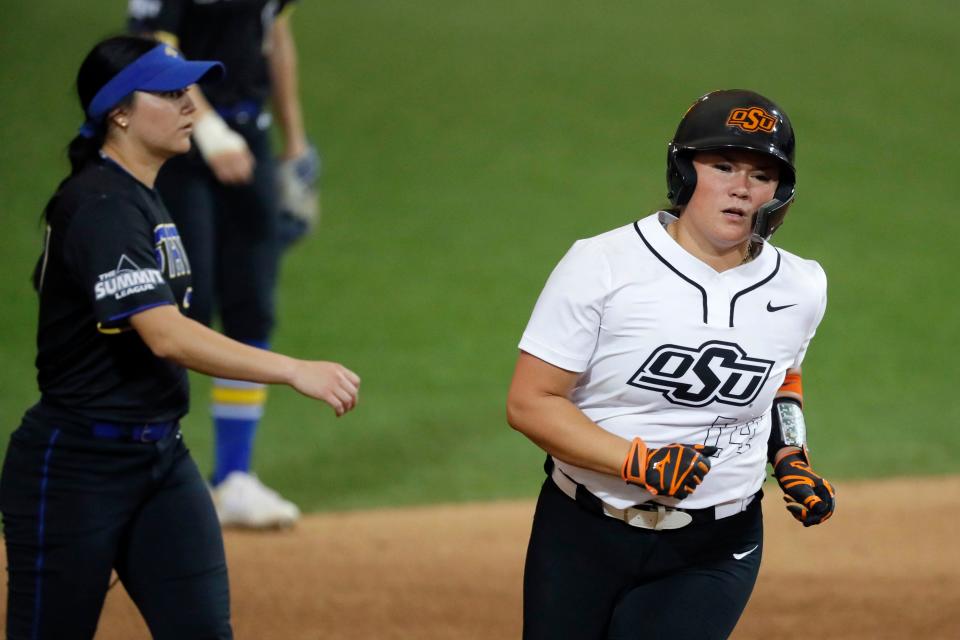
591, 577
76, 506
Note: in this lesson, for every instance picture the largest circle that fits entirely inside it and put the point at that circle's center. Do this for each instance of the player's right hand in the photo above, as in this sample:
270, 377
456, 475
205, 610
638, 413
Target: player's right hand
328, 381
674, 471
232, 167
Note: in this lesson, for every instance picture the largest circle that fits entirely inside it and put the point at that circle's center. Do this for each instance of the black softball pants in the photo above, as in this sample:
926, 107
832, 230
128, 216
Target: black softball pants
591, 577
76, 507
231, 235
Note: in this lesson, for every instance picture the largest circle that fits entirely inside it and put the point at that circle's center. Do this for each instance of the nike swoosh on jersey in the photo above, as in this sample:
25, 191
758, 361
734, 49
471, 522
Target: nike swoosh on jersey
741, 556
772, 308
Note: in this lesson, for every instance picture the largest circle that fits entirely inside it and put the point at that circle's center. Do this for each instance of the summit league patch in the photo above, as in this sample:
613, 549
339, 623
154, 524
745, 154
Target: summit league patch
128, 278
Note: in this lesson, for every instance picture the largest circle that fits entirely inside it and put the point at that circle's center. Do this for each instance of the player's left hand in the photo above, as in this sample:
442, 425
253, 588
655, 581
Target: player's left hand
810, 498
297, 183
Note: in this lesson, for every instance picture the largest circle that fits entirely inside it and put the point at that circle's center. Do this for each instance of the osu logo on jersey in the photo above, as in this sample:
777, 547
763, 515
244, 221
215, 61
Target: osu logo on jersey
716, 371
752, 119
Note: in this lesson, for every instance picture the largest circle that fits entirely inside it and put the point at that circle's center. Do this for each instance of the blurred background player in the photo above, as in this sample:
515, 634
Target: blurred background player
226, 200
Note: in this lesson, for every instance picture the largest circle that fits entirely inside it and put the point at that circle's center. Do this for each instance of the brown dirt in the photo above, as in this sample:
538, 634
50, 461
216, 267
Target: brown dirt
884, 567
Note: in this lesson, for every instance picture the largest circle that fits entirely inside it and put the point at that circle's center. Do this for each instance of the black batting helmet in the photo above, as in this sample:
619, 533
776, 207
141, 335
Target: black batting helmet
734, 119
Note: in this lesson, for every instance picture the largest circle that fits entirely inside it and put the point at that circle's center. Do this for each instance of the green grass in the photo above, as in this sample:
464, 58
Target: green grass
468, 144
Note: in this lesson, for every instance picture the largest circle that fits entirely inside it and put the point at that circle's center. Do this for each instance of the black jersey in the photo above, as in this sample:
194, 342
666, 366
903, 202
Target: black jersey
235, 32
111, 251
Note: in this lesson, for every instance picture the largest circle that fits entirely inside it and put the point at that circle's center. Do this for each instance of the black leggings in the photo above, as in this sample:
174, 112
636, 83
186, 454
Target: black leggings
591, 577
76, 507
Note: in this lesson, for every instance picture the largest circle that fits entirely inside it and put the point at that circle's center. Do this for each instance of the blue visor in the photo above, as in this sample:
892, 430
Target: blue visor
160, 69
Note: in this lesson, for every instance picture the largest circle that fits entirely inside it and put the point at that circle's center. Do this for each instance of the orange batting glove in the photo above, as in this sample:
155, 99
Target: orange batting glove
810, 499
674, 471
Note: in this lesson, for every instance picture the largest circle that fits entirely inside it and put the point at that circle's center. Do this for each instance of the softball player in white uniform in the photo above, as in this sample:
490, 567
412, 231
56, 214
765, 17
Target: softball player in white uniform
660, 371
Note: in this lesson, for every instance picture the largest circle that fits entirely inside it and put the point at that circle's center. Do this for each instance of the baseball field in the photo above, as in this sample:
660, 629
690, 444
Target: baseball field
466, 146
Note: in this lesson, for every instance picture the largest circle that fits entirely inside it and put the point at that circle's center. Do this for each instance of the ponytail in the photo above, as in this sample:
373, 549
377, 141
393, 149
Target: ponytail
82, 150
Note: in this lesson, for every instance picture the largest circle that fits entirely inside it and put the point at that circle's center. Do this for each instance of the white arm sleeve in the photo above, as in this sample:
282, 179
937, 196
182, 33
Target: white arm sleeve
566, 320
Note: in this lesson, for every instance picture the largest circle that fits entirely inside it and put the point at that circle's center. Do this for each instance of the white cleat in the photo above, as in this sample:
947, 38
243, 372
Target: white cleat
242, 500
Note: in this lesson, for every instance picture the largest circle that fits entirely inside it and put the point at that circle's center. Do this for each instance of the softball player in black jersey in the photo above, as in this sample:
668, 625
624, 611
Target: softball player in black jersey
97, 476
225, 201
660, 371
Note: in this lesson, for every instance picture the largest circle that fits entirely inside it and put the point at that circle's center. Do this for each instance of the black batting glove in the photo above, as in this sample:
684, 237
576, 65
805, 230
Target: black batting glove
810, 499
674, 471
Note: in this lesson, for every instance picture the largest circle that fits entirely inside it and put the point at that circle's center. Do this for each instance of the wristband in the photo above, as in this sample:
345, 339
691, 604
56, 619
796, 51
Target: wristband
214, 137
787, 428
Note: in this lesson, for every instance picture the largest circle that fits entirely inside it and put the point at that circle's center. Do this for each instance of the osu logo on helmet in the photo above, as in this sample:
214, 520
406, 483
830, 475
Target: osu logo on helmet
752, 119
716, 371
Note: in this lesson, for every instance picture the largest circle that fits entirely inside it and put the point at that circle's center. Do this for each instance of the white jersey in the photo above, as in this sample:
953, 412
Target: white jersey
672, 351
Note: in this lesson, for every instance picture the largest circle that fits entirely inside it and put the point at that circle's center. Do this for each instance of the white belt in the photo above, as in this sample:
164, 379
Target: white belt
652, 515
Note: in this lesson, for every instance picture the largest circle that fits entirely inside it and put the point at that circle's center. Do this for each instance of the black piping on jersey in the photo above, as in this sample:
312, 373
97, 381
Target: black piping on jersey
733, 301
702, 291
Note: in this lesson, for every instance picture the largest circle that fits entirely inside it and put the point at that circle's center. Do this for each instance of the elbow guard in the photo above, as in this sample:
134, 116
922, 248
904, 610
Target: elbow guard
787, 428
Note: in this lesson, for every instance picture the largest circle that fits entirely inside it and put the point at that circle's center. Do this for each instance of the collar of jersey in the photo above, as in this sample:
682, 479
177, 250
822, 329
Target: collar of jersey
654, 231
115, 166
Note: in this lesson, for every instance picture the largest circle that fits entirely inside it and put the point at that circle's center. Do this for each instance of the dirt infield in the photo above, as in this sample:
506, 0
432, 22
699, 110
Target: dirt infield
886, 566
